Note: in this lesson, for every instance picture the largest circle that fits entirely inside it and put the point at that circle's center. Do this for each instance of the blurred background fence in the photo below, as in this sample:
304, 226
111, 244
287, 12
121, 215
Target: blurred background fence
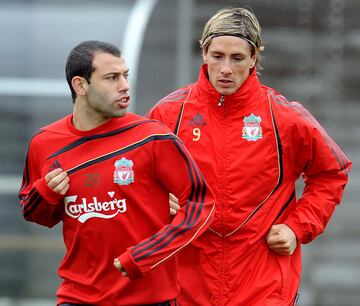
312, 55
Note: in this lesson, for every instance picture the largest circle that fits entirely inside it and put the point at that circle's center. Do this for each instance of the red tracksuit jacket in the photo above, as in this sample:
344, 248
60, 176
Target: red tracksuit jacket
120, 177
251, 147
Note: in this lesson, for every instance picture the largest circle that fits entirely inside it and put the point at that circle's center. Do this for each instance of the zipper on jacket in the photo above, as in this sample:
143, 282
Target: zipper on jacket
221, 101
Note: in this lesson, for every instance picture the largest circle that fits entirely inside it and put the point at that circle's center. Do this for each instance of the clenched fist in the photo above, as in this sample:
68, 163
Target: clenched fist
281, 239
58, 181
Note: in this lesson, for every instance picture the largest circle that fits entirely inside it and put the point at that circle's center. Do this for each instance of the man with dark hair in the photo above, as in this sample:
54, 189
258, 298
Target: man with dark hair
106, 175
251, 144
80, 60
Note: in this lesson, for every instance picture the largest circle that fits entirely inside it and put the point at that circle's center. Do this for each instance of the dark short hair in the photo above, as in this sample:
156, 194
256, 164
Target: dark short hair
80, 60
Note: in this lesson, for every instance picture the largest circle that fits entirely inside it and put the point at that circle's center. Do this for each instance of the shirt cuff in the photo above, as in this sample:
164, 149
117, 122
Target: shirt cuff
129, 265
49, 195
296, 229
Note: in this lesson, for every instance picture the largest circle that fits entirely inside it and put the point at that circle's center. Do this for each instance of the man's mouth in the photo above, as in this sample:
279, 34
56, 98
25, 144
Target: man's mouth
224, 82
123, 102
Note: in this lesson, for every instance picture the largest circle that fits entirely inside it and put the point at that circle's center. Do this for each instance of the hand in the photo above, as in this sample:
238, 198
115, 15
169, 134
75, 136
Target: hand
174, 204
281, 239
119, 266
58, 181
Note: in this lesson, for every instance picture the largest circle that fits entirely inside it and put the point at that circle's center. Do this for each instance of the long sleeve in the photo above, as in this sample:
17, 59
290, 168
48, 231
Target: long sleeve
38, 202
178, 173
325, 170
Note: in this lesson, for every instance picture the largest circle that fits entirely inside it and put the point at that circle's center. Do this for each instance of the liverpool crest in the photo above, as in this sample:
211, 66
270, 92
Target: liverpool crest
252, 130
123, 174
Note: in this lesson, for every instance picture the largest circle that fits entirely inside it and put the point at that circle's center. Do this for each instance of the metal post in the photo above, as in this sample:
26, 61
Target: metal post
133, 39
184, 42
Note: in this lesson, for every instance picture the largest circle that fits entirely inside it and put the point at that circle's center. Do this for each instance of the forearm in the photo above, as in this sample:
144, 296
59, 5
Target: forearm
189, 223
40, 204
314, 209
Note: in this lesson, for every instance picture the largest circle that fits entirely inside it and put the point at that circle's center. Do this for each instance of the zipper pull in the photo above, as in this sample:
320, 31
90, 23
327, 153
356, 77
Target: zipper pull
222, 99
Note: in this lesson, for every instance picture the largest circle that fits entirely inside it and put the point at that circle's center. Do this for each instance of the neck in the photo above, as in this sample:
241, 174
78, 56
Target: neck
85, 119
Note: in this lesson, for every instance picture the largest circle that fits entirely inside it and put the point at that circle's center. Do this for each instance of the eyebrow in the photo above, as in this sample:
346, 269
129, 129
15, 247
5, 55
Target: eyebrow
118, 73
232, 54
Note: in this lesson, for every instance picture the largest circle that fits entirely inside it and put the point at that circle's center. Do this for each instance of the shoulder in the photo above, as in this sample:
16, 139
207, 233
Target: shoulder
289, 112
178, 96
55, 128
46, 140
174, 100
168, 108
147, 125
152, 133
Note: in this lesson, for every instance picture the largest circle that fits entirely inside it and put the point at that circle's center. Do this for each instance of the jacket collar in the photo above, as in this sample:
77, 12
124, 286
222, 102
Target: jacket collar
248, 95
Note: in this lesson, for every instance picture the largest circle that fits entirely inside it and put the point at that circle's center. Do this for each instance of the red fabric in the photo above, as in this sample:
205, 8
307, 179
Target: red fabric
105, 214
252, 173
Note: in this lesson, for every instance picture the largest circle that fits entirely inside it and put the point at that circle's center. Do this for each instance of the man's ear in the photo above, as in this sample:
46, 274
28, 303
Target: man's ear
204, 56
253, 60
79, 85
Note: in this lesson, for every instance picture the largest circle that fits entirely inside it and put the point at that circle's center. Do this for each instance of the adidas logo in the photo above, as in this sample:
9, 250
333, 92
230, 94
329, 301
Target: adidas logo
197, 120
55, 165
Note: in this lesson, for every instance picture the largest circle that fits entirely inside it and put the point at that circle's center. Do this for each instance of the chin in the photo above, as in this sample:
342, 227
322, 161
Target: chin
120, 114
226, 92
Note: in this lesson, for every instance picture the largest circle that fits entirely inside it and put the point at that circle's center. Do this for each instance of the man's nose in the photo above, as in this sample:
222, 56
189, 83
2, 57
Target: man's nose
225, 68
123, 84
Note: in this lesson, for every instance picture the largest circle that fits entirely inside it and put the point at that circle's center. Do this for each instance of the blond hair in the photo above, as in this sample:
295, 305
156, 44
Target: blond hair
234, 21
